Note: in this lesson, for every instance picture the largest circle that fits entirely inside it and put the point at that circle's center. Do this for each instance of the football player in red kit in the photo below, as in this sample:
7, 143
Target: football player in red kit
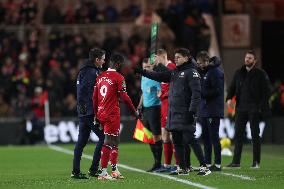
168, 146
109, 89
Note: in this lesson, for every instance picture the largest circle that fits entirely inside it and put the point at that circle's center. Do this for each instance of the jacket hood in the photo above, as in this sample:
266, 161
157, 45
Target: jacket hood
214, 62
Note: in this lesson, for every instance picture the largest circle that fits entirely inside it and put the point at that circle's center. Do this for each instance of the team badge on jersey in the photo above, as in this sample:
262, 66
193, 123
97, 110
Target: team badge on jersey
181, 74
195, 74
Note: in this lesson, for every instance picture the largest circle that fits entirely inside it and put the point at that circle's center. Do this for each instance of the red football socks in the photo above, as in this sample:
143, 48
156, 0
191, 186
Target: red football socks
106, 150
114, 155
168, 152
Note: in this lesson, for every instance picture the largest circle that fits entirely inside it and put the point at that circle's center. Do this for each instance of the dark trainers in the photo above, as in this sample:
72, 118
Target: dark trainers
78, 176
155, 167
166, 169
179, 172
163, 169
190, 169
255, 165
203, 171
214, 168
94, 173
233, 166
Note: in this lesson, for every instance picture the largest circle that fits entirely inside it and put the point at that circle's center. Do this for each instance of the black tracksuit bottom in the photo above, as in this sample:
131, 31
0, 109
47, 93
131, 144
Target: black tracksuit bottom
181, 139
242, 117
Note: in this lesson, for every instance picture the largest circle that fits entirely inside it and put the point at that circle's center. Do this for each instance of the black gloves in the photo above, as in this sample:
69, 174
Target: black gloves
191, 116
82, 109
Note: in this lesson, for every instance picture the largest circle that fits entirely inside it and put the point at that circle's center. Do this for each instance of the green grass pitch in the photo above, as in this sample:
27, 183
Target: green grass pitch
39, 167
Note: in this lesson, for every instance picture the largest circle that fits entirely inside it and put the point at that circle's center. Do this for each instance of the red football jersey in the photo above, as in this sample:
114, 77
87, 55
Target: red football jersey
106, 94
165, 86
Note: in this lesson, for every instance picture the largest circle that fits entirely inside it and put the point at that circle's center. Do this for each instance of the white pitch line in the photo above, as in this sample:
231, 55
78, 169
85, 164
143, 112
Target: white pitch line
198, 185
238, 176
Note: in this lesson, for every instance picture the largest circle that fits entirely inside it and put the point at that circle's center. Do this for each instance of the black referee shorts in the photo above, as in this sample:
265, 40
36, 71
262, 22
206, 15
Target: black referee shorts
152, 119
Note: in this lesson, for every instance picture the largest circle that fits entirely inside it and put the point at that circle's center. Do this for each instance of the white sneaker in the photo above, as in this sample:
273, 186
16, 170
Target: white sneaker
203, 171
117, 175
105, 176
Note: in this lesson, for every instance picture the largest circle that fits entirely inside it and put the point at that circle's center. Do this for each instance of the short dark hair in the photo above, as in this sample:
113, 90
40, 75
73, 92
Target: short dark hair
252, 51
204, 55
184, 52
161, 51
116, 60
96, 53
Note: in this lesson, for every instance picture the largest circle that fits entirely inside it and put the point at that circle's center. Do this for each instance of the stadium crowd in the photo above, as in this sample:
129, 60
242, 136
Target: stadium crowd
32, 66
36, 62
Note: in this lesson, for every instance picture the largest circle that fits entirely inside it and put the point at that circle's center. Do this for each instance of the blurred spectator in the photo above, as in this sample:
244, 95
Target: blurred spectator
6, 75
28, 11
175, 18
112, 40
129, 13
2, 13
70, 87
51, 13
12, 12
37, 102
5, 109
276, 100
21, 79
148, 16
69, 106
82, 14
204, 37
30, 61
20, 105
32, 130
111, 14
69, 14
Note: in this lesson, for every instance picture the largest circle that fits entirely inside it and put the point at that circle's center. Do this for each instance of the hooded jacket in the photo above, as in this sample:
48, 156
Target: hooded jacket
212, 90
86, 80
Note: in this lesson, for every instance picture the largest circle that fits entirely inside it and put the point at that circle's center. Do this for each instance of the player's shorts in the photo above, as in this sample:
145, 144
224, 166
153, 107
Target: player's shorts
152, 119
164, 113
111, 125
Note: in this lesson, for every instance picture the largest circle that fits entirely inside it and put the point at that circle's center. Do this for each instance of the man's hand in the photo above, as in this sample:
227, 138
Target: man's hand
230, 104
138, 114
97, 123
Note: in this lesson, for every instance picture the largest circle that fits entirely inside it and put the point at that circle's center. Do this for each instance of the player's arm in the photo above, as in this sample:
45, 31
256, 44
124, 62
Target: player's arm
140, 102
125, 98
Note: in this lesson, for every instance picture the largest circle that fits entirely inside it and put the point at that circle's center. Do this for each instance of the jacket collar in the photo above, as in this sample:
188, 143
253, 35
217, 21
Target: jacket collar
187, 65
88, 63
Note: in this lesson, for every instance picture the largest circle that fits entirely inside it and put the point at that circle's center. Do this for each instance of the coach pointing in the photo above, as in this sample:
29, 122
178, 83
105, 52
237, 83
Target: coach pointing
184, 98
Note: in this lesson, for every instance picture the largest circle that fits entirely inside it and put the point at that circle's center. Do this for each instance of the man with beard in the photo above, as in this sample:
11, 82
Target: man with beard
251, 86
